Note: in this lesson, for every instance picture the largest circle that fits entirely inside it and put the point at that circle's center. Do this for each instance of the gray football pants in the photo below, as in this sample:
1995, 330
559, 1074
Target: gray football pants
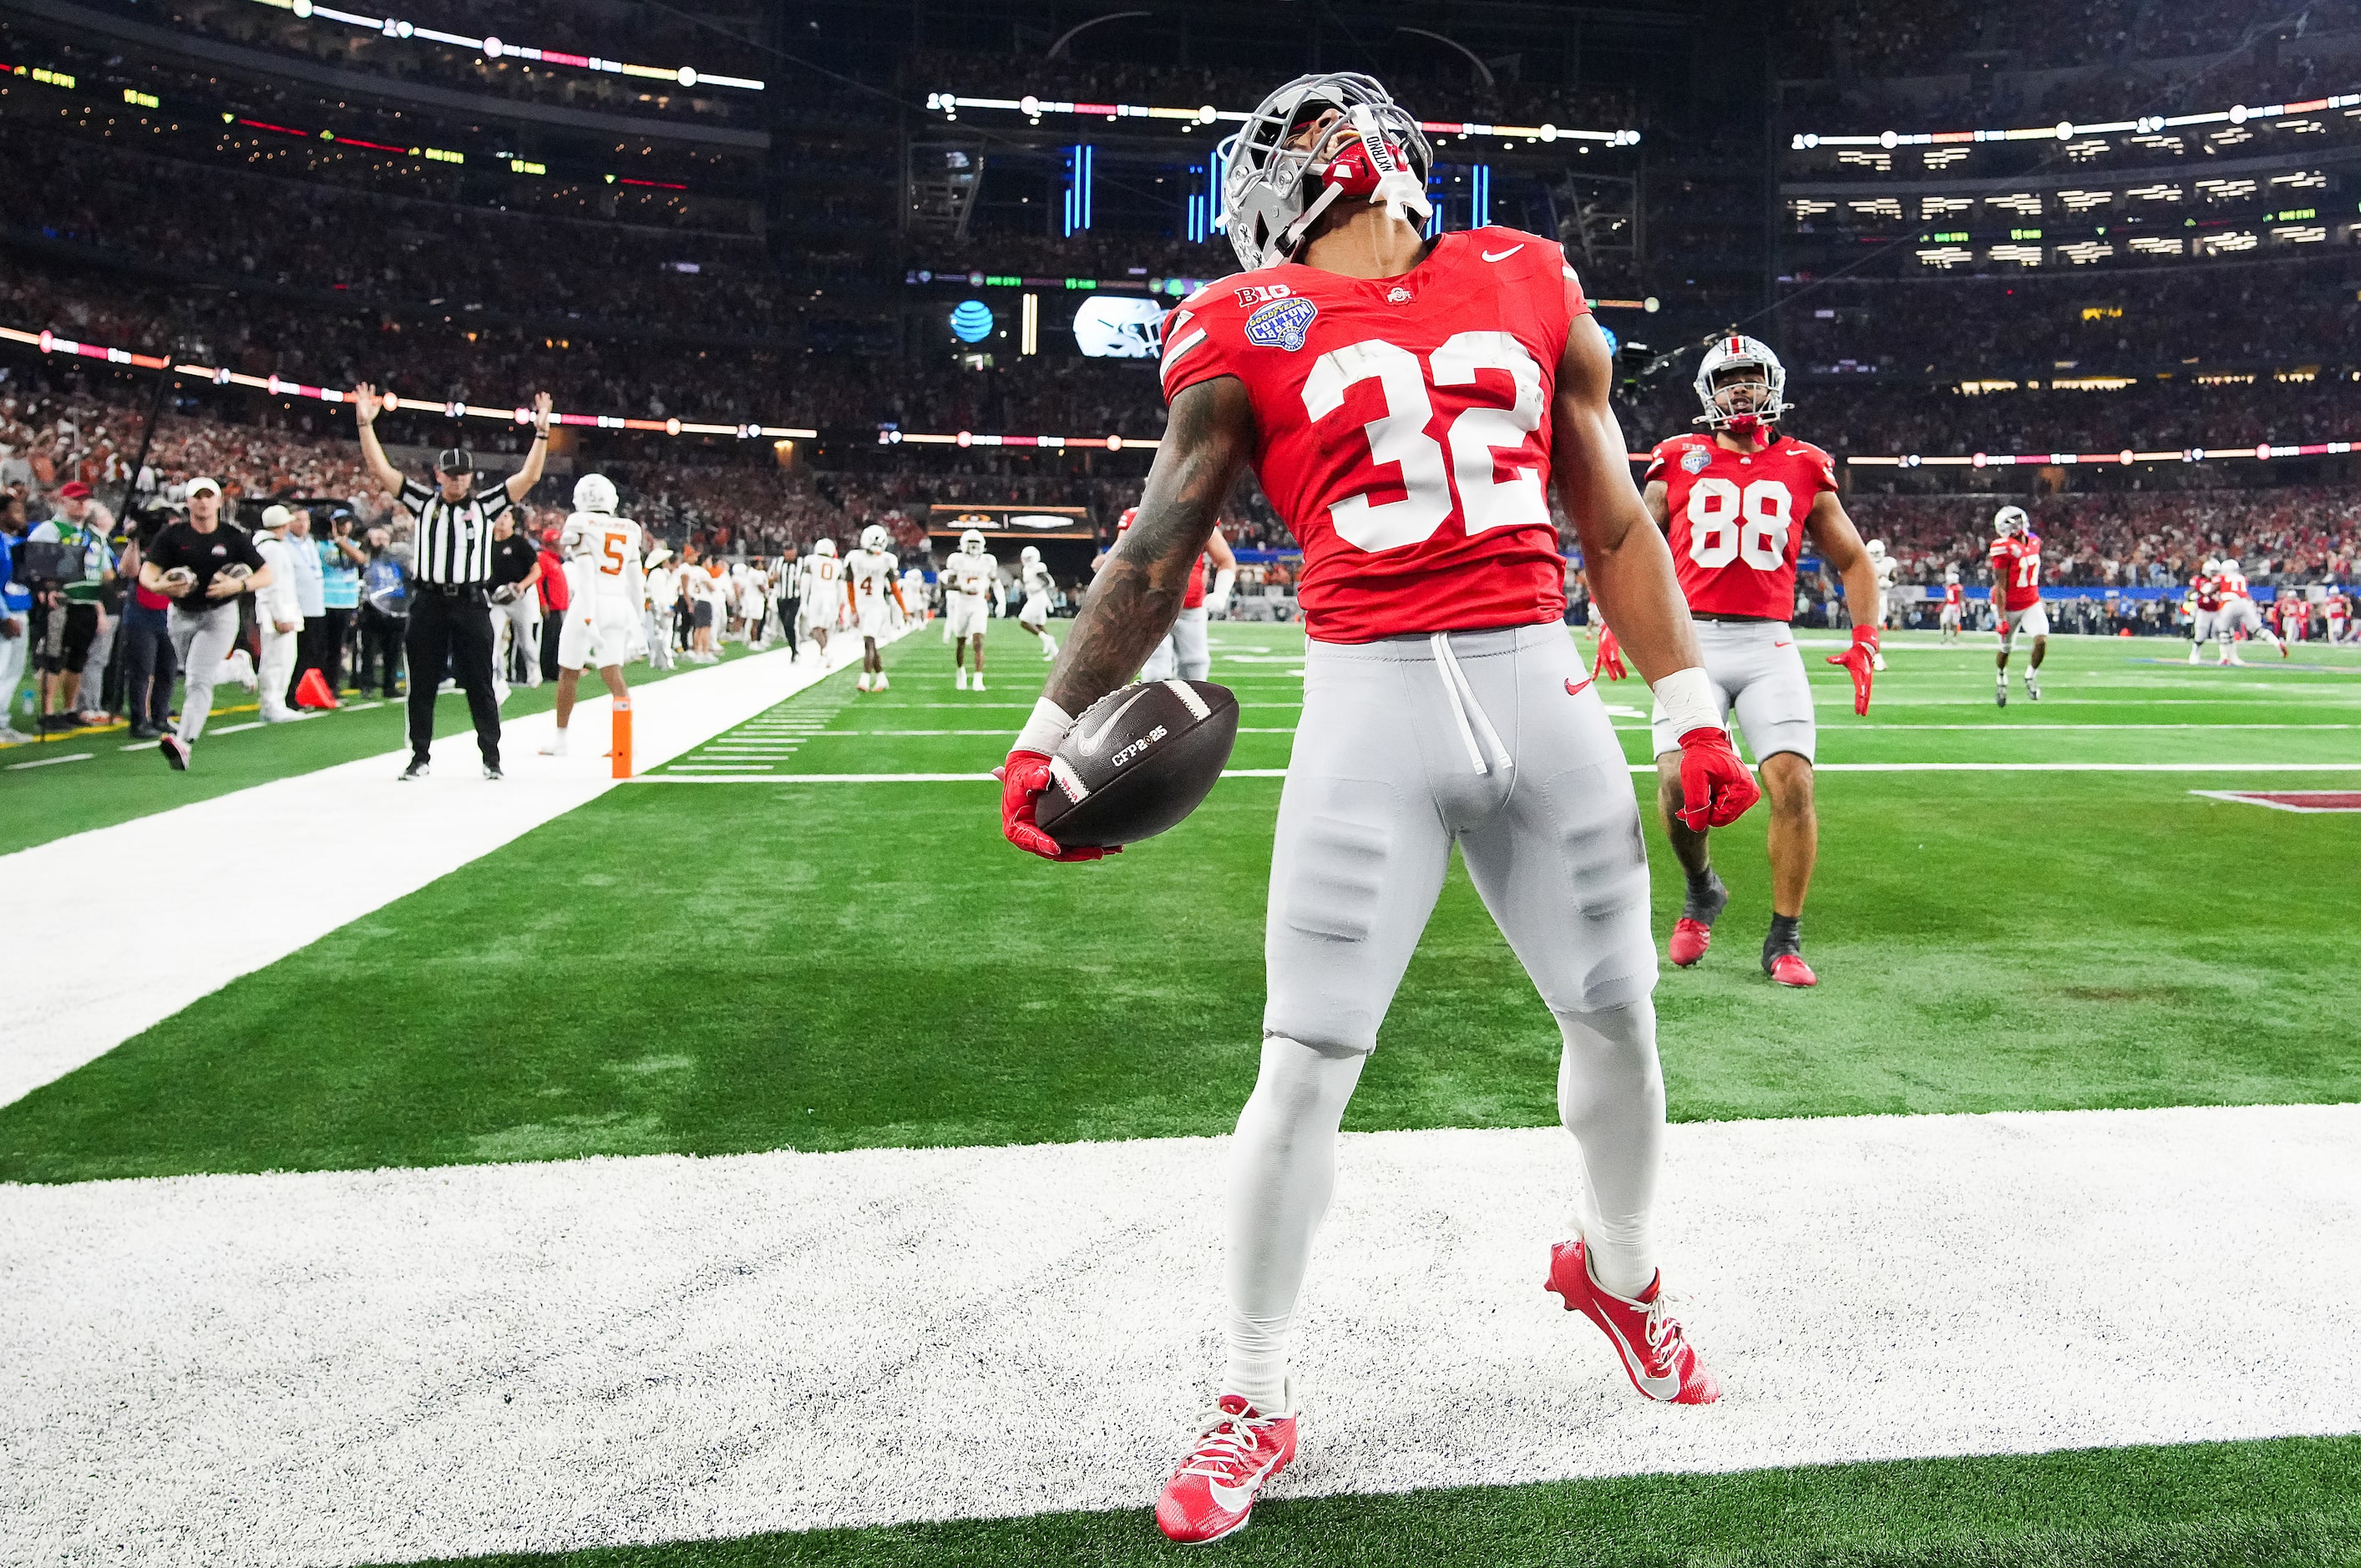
1407, 746
1183, 652
201, 641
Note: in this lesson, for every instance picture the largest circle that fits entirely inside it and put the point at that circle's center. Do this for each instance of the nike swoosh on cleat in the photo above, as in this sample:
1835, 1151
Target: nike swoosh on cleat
1655, 1387
1233, 1499
1504, 255
1573, 690
1088, 741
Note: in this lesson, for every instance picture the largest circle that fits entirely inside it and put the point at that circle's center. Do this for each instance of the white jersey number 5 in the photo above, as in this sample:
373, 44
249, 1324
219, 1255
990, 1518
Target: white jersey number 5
1398, 436
1726, 525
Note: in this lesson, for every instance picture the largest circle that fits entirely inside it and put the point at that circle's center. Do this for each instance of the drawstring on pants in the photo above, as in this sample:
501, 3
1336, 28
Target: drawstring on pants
1464, 706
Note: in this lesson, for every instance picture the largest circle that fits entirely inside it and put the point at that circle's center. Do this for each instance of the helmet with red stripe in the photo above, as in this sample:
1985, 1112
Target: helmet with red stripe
1317, 140
1742, 384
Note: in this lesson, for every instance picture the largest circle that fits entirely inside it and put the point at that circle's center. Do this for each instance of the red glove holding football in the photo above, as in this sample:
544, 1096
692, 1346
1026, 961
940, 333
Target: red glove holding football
1610, 656
1022, 779
1716, 788
1858, 659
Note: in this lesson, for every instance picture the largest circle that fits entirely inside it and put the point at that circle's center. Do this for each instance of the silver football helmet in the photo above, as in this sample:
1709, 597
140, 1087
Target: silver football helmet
1950, 573
1876, 549
876, 540
1274, 181
1742, 384
1030, 556
825, 547
595, 492
972, 541
2230, 567
2010, 521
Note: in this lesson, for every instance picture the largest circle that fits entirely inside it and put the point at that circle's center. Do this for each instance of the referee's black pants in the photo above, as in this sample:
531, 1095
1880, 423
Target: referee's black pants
452, 632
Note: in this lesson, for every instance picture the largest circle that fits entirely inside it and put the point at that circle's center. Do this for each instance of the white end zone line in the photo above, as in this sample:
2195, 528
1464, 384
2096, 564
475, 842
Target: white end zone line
368, 1366
385, 838
1649, 767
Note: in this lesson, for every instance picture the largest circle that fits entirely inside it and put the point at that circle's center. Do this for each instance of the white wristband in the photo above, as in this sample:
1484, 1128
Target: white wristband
1685, 697
1048, 728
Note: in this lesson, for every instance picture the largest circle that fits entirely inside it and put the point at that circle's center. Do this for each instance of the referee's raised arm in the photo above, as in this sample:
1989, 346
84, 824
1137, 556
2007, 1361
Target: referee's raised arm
450, 627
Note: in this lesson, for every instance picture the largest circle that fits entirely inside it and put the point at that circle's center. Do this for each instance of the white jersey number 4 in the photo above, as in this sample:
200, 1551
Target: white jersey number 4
1398, 437
1726, 524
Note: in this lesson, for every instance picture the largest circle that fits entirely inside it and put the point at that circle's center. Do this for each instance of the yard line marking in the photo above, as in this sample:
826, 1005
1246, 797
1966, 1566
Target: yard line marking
1647, 767
52, 762
2308, 801
494, 1359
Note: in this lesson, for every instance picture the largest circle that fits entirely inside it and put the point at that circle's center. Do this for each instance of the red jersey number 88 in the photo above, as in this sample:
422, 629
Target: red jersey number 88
1727, 524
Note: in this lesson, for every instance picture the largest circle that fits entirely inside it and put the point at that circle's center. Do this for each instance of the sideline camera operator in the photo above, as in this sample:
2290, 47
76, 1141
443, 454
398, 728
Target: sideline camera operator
450, 607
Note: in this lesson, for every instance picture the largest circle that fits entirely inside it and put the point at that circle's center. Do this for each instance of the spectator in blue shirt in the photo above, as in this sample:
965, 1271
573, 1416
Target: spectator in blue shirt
16, 616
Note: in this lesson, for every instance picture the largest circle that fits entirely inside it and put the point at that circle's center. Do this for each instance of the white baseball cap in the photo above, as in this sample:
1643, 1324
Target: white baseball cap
277, 517
203, 484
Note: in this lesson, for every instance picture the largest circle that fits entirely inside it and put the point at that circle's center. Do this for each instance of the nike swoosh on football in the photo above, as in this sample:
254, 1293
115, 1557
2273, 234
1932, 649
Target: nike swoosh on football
1573, 690
1503, 255
1089, 742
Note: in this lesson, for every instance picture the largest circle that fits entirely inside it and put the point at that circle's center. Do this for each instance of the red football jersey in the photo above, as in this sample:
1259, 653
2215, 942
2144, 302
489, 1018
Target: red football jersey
2232, 586
1737, 519
1954, 597
2208, 590
2016, 570
2337, 606
1401, 427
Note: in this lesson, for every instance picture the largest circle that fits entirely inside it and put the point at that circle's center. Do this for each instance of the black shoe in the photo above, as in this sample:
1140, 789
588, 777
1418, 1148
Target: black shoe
492, 773
417, 770
145, 732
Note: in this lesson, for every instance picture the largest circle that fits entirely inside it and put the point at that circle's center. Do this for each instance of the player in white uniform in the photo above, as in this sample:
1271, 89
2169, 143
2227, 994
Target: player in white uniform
663, 594
971, 581
915, 606
754, 597
873, 585
1039, 585
2238, 614
823, 593
606, 587
1889, 598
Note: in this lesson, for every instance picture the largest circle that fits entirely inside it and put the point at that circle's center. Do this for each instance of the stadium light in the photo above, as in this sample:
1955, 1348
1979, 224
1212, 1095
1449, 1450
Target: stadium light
2066, 130
498, 49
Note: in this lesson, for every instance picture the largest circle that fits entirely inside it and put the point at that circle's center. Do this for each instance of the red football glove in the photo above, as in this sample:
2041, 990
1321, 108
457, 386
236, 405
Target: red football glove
1716, 788
1857, 659
1022, 779
1610, 656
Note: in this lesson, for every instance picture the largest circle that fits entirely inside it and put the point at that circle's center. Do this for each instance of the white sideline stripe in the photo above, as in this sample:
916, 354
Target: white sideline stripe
385, 1365
225, 917
1648, 767
53, 762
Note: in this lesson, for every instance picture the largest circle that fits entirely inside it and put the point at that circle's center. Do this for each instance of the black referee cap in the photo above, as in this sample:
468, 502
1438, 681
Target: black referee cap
454, 460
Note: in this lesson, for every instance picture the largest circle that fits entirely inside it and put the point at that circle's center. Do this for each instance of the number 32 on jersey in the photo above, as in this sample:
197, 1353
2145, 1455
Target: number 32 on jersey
1398, 437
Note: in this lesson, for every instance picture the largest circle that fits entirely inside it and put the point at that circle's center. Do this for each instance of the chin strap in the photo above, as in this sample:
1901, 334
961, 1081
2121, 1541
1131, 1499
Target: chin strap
1364, 164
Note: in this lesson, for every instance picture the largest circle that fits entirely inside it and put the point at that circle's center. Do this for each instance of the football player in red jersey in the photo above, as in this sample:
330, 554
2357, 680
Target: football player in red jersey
1185, 650
2338, 612
2238, 614
1736, 500
2016, 597
1406, 403
1955, 604
2204, 605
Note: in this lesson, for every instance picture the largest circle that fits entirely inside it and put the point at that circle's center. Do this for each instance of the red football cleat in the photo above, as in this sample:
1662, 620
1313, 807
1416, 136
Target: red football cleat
1690, 939
1214, 1491
1789, 969
1657, 1355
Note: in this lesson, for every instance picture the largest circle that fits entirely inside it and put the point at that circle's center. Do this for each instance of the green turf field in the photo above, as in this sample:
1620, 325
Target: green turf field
81, 779
750, 950
708, 968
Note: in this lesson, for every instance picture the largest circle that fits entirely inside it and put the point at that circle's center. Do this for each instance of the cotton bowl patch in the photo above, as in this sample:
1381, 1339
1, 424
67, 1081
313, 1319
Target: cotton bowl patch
1282, 324
1696, 460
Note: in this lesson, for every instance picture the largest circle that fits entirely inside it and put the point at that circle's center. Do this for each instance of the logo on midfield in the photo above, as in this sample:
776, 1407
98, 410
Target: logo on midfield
1696, 460
1282, 324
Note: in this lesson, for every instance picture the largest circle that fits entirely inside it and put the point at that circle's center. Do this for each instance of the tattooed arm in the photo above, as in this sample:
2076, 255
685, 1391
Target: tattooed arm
1132, 605
1207, 441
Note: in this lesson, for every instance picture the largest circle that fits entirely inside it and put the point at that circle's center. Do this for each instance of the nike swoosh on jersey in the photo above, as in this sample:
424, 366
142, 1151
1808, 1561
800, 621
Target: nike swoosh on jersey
1572, 689
1088, 742
1233, 1499
1504, 255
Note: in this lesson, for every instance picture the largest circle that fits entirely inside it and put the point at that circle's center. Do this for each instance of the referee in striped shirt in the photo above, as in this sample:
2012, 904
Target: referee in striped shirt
451, 576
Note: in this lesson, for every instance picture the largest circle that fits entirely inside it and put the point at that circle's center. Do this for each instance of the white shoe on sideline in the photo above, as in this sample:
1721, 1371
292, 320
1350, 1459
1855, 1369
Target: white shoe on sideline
959, 678
976, 684
879, 682
555, 746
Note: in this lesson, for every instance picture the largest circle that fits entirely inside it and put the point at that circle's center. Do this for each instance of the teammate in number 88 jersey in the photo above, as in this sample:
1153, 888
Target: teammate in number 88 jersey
1407, 402
1736, 500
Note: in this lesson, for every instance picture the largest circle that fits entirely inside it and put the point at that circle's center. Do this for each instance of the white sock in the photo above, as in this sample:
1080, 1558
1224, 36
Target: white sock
1283, 1167
1610, 1096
